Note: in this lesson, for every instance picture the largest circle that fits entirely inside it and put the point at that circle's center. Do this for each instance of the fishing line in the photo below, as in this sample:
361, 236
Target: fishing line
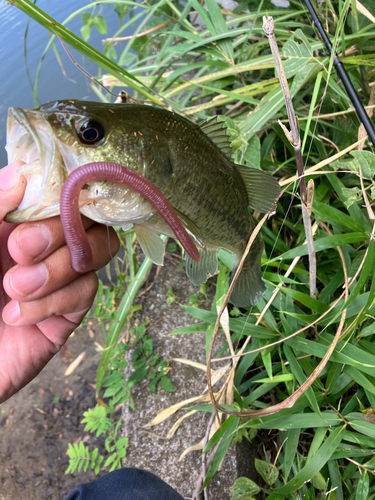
83, 70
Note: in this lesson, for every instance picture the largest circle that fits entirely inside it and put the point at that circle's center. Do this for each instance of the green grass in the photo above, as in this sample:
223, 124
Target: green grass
325, 442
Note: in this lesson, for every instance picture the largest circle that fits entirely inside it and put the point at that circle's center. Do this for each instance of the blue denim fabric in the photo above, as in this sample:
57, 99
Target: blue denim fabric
125, 484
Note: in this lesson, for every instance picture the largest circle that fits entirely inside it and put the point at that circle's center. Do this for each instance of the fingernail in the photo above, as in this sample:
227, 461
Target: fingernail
11, 312
26, 280
33, 240
9, 179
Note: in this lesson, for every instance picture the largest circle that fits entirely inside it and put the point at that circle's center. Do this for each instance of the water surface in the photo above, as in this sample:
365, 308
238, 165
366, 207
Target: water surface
15, 89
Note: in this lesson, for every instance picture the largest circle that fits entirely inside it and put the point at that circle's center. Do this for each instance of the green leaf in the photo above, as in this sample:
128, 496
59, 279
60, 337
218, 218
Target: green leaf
154, 383
316, 442
359, 424
252, 154
305, 299
121, 443
110, 459
354, 210
303, 75
301, 377
351, 196
324, 244
113, 389
296, 421
167, 384
271, 103
290, 450
195, 328
96, 420
268, 471
148, 346
335, 216
276, 379
366, 160
364, 276
246, 362
85, 31
316, 463
319, 482
336, 479
267, 360
360, 378
312, 107
232, 424
138, 375
94, 454
344, 353
240, 325
296, 54
100, 24
363, 487
220, 27
244, 489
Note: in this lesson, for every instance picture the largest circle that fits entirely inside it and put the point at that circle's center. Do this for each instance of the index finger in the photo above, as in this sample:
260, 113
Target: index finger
12, 188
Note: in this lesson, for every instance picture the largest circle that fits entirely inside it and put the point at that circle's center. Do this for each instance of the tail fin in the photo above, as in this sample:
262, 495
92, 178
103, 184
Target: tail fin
249, 287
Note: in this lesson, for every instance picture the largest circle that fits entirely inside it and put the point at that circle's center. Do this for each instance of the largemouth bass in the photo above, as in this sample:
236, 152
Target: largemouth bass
190, 164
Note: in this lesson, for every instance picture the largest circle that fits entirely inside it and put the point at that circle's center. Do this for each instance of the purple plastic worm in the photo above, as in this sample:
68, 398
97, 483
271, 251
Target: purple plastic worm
75, 235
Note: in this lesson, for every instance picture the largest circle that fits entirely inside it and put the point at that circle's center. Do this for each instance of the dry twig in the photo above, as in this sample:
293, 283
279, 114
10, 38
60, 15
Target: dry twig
294, 138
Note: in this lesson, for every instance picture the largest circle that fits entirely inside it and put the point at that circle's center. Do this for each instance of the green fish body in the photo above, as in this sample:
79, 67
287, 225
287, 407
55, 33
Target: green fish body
191, 164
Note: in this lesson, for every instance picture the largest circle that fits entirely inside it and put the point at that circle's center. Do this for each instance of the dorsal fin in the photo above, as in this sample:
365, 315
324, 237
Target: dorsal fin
217, 132
262, 189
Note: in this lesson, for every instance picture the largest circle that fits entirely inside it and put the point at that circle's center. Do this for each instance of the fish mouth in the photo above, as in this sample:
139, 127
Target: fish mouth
30, 139
47, 162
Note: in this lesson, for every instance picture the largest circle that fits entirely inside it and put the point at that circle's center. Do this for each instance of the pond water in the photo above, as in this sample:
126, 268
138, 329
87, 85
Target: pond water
15, 89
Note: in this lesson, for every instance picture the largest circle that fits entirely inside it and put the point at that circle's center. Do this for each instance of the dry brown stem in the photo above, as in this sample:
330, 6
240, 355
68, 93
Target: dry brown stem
294, 138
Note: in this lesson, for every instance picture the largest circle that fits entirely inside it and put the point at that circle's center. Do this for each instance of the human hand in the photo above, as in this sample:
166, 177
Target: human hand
42, 298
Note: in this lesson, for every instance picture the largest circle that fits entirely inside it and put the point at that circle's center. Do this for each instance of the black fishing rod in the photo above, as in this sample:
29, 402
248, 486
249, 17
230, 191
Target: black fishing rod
363, 116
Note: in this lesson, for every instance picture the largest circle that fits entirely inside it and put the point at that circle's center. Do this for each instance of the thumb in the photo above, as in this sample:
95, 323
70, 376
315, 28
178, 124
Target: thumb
12, 188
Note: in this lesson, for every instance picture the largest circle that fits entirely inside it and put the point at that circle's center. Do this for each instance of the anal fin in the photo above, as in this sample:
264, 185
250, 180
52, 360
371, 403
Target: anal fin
197, 271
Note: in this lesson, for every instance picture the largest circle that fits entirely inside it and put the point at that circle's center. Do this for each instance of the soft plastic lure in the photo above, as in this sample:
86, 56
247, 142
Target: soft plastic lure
75, 235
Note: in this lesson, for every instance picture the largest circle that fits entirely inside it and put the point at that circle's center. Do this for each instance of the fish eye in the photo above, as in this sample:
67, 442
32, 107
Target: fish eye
90, 132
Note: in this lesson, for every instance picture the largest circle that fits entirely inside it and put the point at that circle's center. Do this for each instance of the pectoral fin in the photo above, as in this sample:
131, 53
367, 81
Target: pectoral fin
197, 271
127, 227
151, 243
158, 224
262, 189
